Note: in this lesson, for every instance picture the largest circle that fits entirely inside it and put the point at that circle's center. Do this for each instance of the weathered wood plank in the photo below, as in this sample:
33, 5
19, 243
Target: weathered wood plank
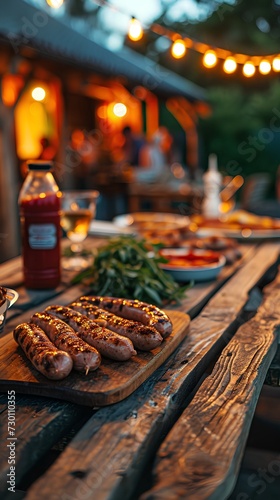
107, 457
201, 456
198, 296
39, 425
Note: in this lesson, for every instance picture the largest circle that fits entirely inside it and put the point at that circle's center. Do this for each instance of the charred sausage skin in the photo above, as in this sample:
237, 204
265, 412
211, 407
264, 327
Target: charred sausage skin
85, 357
143, 337
55, 364
108, 343
136, 310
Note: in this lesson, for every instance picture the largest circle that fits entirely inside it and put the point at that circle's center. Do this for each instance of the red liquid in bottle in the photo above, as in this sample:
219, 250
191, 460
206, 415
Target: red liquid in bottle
40, 222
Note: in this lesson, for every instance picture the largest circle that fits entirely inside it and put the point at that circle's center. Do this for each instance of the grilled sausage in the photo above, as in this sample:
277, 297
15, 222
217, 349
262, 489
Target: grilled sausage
47, 359
147, 314
108, 343
143, 337
85, 357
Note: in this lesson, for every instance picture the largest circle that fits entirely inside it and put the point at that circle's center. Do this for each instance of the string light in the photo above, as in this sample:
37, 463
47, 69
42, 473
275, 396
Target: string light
119, 109
249, 69
276, 64
38, 94
135, 30
210, 54
264, 67
178, 49
230, 65
55, 4
209, 59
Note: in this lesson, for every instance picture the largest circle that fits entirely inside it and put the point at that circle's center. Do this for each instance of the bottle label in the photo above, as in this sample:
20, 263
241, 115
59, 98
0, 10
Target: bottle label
42, 236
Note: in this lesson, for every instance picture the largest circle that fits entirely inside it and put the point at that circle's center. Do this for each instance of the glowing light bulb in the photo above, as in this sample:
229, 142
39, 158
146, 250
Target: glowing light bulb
249, 69
38, 94
55, 4
210, 59
178, 49
230, 65
119, 109
135, 31
276, 63
264, 67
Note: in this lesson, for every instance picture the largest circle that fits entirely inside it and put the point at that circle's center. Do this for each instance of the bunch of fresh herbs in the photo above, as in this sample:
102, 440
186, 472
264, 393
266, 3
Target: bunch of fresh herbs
130, 268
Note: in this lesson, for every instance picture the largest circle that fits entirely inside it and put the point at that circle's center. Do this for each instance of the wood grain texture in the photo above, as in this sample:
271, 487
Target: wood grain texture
107, 457
201, 456
198, 296
110, 383
37, 430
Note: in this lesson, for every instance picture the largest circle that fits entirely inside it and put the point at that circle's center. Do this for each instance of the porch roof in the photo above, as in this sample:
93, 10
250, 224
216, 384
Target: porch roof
23, 25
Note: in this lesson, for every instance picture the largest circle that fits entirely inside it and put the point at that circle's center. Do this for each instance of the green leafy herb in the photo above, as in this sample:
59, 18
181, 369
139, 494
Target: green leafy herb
129, 268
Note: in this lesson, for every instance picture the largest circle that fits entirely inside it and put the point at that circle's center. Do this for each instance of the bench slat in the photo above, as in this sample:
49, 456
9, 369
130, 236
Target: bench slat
202, 454
38, 427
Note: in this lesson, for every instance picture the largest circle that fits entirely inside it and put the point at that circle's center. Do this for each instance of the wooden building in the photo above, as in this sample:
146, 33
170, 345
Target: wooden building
56, 82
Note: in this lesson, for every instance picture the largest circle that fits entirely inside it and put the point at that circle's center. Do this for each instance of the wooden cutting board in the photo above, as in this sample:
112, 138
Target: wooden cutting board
110, 383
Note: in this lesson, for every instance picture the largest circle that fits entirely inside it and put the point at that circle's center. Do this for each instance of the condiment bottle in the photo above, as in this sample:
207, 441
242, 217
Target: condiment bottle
212, 181
39, 204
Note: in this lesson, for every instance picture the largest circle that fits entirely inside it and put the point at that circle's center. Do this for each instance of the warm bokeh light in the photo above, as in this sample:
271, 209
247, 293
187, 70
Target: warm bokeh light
177, 170
102, 112
276, 63
210, 59
55, 4
249, 69
230, 65
31, 124
264, 67
11, 86
38, 94
119, 109
135, 30
178, 49
77, 138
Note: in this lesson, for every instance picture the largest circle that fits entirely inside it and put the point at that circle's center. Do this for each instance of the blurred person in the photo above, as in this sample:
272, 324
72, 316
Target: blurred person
86, 152
155, 157
132, 146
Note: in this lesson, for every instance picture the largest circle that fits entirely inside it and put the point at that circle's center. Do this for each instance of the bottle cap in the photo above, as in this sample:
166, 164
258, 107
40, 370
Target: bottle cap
40, 165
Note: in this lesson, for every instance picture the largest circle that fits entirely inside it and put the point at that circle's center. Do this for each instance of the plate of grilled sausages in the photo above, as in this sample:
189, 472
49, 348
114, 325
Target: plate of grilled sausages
95, 350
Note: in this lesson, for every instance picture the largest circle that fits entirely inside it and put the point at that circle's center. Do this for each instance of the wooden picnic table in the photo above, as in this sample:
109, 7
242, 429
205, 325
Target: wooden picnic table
182, 432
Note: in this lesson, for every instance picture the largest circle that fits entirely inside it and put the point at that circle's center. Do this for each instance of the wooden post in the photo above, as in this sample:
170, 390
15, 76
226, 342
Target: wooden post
9, 185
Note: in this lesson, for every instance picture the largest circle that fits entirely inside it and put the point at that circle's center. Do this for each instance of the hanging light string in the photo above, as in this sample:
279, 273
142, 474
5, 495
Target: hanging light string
212, 54
181, 44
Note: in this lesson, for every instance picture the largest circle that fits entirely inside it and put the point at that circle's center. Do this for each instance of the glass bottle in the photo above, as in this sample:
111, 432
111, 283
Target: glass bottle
39, 205
212, 181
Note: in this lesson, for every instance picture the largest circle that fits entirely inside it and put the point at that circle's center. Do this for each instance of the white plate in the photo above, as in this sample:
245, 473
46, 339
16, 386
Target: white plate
240, 234
152, 220
105, 228
206, 272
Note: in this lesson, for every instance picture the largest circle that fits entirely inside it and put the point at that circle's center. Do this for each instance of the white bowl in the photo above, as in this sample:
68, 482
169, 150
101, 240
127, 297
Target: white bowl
185, 273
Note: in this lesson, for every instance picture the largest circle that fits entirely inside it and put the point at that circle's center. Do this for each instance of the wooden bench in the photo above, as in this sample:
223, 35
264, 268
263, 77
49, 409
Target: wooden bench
188, 422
